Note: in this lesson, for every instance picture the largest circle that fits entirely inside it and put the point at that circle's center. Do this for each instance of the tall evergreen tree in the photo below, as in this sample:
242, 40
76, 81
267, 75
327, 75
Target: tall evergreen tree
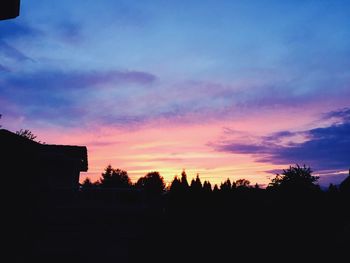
175, 185
184, 182
207, 187
216, 189
196, 185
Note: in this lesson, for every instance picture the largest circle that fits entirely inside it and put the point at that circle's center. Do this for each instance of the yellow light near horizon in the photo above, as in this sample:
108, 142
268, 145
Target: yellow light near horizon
171, 147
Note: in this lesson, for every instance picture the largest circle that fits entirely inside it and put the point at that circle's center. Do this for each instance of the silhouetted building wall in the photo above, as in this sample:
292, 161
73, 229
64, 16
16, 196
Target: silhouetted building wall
9, 9
345, 185
29, 165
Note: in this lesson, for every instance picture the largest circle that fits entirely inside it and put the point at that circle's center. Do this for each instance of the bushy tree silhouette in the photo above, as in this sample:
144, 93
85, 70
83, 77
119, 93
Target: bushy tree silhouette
295, 178
242, 183
115, 178
152, 183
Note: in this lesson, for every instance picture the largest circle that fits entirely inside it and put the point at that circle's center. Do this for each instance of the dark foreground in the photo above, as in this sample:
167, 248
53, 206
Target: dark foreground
223, 227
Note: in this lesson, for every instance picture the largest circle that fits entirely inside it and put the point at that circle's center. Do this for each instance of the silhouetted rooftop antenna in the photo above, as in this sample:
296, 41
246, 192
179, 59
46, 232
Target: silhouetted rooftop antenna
9, 9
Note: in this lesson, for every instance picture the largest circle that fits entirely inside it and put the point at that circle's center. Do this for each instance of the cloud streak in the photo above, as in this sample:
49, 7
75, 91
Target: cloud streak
59, 80
12, 52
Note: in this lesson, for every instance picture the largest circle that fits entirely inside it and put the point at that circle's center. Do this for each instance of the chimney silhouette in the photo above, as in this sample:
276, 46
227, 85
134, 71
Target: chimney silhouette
9, 9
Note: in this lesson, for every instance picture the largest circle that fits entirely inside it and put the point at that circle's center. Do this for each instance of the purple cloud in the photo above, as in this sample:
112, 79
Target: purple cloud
65, 81
343, 114
326, 148
62, 97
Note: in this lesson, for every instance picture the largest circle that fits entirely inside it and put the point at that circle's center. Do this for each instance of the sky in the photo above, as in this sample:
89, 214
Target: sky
225, 89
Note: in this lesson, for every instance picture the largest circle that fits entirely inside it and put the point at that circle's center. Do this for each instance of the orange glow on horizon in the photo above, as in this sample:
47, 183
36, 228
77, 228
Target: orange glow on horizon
169, 147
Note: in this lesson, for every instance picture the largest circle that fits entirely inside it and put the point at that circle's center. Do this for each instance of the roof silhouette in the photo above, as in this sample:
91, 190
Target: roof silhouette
345, 185
9, 9
41, 167
74, 153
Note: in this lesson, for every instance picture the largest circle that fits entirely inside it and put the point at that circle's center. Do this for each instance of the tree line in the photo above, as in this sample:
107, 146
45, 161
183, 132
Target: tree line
293, 179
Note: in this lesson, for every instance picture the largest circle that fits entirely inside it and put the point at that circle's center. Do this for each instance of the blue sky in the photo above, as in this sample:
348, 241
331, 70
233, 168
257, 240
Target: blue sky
70, 65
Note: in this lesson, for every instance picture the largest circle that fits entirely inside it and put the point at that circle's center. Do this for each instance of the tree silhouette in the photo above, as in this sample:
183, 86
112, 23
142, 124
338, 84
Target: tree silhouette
88, 184
175, 186
184, 182
196, 184
151, 182
115, 178
207, 187
295, 178
242, 183
226, 186
216, 188
26, 134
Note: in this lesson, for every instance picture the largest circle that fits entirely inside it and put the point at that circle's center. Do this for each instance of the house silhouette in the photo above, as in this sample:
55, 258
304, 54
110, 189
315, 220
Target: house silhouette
345, 185
31, 166
9, 9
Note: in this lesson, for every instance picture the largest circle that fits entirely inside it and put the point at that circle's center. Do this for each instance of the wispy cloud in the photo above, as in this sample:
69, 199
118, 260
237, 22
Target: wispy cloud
12, 31
12, 52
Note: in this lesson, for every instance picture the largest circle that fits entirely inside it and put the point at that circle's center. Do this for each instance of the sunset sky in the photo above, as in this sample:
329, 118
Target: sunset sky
226, 89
